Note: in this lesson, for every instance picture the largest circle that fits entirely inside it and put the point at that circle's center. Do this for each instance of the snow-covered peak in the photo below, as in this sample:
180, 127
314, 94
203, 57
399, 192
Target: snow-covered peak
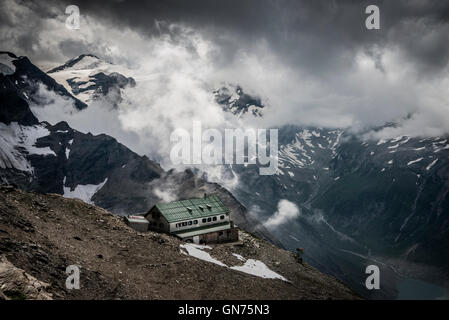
18, 142
84, 62
87, 76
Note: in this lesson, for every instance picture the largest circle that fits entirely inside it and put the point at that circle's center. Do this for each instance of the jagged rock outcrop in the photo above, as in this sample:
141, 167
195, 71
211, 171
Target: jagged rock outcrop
27, 78
16, 284
233, 99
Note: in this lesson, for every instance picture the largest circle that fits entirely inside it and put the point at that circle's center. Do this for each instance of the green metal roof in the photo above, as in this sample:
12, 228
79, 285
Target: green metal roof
191, 208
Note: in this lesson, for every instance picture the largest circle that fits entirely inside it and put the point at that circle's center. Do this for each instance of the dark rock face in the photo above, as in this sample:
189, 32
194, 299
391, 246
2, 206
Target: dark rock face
105, 82
13, 105
393, 196
233, 99
27, 77
102, 84
72, 62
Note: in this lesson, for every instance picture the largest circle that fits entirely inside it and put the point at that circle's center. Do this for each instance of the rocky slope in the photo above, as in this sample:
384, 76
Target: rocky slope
43, 234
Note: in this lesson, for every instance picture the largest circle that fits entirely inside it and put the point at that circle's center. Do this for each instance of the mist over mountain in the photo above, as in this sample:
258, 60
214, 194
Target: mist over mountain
39, 156
319, 67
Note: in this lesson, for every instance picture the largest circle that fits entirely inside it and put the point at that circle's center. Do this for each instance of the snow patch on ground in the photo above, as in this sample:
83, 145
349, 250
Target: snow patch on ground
6, 65
431, 164
293, 237
83, 192
259, 269
441, 148
10, 156
414, 161
16, 142
254, 267
239, 257
197, 251
305, 135
28, 137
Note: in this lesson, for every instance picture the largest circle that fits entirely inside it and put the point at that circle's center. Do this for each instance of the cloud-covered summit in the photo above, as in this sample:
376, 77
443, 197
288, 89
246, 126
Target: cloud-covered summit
311, 62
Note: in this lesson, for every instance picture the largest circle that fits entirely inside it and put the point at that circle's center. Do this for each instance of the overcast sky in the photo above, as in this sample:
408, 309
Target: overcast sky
312, 62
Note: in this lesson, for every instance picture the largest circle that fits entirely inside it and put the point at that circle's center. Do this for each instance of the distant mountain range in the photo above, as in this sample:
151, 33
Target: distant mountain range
362, 202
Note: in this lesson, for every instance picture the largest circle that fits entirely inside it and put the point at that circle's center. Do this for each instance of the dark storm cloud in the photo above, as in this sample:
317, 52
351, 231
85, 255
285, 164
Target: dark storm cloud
313, 62
318, 35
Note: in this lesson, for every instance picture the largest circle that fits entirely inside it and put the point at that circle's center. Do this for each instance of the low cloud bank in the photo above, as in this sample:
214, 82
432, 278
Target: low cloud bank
286, 212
